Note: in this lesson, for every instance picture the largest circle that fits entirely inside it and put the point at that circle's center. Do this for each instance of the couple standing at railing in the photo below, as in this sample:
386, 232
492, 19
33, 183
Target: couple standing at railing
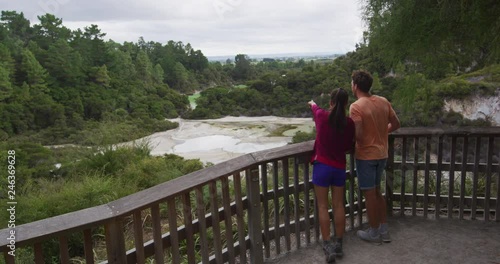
371, 119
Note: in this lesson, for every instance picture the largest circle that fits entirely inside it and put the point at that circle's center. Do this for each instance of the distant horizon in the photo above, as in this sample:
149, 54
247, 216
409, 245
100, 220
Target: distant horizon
270, 55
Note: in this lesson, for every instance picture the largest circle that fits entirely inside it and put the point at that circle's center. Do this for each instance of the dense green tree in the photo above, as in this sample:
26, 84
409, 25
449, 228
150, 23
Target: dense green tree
197, 61
5, 85
33, 73
91, 46
242, 68
49, 30
16, 24
180, 78
7, 61
101, 76
121, 68
158, 74
64, 64
434, 37
144, 68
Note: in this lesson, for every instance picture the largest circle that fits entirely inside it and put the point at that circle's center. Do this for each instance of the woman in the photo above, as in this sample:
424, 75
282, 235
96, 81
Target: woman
334, 137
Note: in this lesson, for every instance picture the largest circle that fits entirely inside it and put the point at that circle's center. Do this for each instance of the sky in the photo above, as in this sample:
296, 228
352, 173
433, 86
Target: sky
216, 27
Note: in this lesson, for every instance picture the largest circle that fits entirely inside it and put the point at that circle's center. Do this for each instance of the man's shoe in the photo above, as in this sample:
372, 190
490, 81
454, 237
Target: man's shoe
384, 233
329, 250
385, 237
370, 235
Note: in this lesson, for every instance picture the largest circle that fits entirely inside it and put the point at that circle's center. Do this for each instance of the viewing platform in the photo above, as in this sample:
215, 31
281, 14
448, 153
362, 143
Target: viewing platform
441, 187
414, 240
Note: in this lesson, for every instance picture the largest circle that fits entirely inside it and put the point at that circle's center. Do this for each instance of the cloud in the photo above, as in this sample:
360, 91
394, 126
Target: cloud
217, 27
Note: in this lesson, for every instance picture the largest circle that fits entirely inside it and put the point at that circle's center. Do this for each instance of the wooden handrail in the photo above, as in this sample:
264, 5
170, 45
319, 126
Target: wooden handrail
67, 223
111, 215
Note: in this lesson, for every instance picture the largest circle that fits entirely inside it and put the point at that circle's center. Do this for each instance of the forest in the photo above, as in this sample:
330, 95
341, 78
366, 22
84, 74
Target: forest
62, 86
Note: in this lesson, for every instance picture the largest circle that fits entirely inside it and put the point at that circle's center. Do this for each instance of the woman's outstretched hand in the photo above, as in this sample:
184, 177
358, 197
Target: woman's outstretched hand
311, 102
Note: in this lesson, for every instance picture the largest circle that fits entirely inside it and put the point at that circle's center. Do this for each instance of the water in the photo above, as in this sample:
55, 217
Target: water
218, 140
223, 143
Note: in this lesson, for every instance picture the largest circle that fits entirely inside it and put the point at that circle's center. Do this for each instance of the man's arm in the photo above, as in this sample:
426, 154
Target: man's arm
393, 122
358, 122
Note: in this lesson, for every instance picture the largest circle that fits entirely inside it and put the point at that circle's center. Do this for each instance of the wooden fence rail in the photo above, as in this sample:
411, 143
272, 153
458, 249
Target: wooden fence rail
261, 205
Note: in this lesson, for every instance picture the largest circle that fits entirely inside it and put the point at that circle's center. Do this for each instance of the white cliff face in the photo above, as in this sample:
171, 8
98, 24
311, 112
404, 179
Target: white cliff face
476, 107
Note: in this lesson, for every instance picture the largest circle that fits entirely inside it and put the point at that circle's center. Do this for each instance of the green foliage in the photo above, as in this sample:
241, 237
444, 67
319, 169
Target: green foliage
434, 37
278, 132
302, 136
242, 69
34, 74
86, 179
54, 82
484, 82
5, 85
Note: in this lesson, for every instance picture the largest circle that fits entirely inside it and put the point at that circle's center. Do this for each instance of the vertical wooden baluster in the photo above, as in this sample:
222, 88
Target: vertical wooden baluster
240, 217
215, 222
389, 179
477, 155
306, 200
63, 250
138, 237
286, 189
87, 246
265, 208
438, 177
403, 177
316, 220
415, 176
276, 199
9, 259
296, 206
350, 177
115, 241
158, 243
38, 254
357, 190
254, 216
200, 204
226, 200
188, 223
497, 210
451, 177
487, 194
463, 175
427, 171
172, 226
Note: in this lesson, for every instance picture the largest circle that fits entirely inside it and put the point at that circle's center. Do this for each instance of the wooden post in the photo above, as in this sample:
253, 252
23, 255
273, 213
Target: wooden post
115, 242
427, 172
350, 176
437, 203
254, 219
415, 176
389, 177
63, 249
451, 190
489, 163
403, 177
9, 259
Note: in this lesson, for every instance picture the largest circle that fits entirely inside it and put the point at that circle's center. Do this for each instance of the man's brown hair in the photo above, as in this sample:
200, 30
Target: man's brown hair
363, 80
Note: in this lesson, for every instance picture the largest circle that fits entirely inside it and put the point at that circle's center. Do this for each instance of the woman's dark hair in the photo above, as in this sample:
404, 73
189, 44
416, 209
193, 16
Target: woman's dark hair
337, 118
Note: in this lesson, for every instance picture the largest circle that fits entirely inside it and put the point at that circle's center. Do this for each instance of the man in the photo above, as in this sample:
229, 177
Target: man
374, 119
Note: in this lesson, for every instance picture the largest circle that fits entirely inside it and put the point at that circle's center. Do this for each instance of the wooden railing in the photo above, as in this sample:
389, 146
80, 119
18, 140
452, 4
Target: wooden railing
261, 205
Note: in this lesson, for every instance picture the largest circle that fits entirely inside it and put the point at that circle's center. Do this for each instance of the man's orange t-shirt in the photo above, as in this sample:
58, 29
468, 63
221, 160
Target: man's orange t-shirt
371, 116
